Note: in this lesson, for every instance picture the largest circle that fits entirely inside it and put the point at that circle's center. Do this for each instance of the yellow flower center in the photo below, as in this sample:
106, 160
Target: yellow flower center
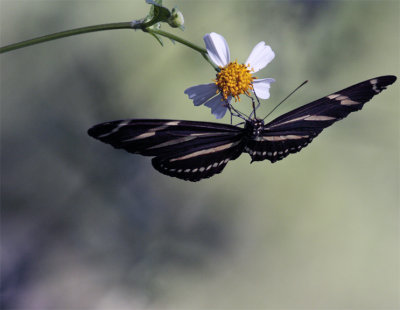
234, 79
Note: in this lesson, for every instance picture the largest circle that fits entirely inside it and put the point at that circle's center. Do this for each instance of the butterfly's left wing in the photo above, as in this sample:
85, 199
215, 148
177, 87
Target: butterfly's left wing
292, 131
188, 150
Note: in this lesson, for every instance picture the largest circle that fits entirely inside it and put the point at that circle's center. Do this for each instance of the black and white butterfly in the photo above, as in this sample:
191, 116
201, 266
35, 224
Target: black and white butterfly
192, 151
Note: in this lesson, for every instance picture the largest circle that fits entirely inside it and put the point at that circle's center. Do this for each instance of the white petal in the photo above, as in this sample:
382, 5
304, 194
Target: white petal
260, 56
201, 93
217, 48
261, 87
218, 106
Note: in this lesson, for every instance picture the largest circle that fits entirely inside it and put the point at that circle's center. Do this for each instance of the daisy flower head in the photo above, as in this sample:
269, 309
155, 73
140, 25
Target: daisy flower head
233, 79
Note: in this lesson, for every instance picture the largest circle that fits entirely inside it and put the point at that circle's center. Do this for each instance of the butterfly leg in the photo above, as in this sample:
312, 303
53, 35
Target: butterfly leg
235, 112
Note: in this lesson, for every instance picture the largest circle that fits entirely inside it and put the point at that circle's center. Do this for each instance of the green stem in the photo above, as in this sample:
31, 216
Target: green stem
177, 39
171, 36
112, 26
67, 33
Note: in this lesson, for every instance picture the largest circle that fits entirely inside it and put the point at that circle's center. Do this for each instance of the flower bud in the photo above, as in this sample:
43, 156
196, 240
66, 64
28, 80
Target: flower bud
176, 19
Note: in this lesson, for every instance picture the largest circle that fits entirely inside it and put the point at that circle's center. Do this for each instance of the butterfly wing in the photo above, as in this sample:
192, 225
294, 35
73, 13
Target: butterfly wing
187, 150
292, 131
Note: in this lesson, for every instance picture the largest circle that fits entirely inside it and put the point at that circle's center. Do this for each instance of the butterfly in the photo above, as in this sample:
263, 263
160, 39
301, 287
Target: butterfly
192, 150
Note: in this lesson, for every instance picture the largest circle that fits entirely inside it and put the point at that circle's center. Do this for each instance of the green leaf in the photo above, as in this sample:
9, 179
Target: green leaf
157, 38
158, 13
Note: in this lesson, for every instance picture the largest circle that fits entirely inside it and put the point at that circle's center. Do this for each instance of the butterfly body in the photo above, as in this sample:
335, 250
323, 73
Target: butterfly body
192, 150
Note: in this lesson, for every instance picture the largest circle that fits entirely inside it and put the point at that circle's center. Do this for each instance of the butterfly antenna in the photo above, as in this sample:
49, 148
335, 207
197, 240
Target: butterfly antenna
302, 84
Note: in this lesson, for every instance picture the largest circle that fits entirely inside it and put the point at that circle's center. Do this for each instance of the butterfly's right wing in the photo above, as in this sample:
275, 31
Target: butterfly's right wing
187, 150
292, 131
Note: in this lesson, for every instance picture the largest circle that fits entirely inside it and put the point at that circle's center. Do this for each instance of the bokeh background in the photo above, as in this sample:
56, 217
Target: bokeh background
84, 226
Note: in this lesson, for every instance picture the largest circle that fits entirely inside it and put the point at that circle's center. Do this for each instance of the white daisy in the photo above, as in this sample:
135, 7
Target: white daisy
233, 79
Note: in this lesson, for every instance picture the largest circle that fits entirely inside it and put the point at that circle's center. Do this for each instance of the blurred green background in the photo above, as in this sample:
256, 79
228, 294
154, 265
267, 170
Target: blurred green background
84, 226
